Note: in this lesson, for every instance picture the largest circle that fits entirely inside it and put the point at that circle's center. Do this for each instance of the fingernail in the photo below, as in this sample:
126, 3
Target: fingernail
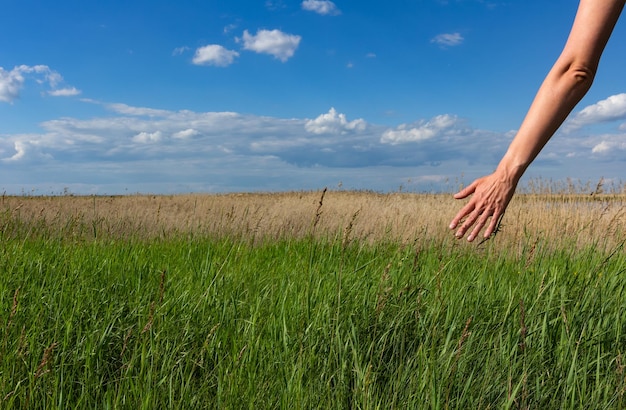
470, 238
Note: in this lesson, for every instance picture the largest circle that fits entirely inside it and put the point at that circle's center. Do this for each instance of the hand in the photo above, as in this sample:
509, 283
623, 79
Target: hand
491, 196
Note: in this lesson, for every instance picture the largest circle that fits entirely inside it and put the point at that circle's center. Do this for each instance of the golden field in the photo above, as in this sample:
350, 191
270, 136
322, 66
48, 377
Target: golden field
553, 220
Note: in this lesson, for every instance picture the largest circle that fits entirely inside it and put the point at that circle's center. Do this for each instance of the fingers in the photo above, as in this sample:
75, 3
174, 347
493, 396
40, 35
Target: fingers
490, 197
475, 221
480, 223
466, 210
476, 218
467, 191
493, 225
466, 226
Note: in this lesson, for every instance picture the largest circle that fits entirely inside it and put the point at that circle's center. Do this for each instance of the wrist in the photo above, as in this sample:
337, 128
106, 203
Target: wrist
511, 169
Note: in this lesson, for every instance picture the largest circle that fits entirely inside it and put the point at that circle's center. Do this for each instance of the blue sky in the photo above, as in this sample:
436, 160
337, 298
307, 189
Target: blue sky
205, 96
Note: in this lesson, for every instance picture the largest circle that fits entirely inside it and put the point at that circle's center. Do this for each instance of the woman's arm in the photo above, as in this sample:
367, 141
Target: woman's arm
565, 85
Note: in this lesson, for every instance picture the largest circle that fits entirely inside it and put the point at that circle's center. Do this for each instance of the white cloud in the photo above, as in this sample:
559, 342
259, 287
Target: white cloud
142, 149
12, 82
140, 134
214, 55
610, 109
448, 39
610, 145
422, 131
185, 134
137, 111
65, 92
180, 50
274, 42
147, 137
20, 151
26, 148
601, 148
230, 27
334, 123
323, 7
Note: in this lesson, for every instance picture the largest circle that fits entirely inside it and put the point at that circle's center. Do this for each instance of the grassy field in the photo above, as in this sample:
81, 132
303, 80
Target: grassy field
310, 300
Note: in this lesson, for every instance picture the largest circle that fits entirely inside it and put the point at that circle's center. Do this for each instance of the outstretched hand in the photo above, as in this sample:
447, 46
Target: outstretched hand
490, 197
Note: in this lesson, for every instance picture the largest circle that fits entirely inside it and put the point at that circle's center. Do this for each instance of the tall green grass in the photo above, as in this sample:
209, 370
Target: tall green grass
201, 322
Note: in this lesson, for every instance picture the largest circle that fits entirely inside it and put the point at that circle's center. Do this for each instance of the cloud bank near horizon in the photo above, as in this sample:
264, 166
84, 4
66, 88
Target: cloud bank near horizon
146, 149
143, 149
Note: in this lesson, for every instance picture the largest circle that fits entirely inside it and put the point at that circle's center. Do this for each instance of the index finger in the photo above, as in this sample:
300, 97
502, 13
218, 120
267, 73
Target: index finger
465, 211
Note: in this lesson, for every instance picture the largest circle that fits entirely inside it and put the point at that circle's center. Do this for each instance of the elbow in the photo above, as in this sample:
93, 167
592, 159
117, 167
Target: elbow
582, 75
578, 75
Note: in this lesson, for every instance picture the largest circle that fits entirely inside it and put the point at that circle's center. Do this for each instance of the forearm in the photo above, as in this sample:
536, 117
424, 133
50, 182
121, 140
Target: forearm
563, 88
566, 84
568, 81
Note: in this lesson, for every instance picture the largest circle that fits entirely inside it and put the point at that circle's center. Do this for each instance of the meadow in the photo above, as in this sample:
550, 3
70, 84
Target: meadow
334, 299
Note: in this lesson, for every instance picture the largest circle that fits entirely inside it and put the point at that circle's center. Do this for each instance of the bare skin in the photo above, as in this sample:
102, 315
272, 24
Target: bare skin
565, 85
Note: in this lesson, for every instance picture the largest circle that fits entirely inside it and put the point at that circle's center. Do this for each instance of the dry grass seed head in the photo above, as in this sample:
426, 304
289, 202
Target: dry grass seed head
348, 230
46, 361
382, 216
318, 212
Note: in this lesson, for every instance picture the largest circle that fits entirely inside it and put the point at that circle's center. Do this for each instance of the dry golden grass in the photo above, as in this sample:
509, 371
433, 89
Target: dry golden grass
556, 219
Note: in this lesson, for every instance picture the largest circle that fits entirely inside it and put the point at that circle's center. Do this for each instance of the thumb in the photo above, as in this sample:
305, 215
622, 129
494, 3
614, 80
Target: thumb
467, 191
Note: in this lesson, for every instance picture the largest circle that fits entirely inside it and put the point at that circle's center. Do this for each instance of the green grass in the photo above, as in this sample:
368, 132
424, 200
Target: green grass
183, 322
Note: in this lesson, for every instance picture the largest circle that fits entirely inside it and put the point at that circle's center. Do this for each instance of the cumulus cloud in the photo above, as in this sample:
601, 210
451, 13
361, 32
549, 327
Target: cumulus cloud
323, 7
141, 134
24, 149
601, 148
185, 134
215, 55
448, 39
20, 151
421, 131
148, 149
273, 42
334, 123
610, 146
610, 109
147, 137
12, 82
